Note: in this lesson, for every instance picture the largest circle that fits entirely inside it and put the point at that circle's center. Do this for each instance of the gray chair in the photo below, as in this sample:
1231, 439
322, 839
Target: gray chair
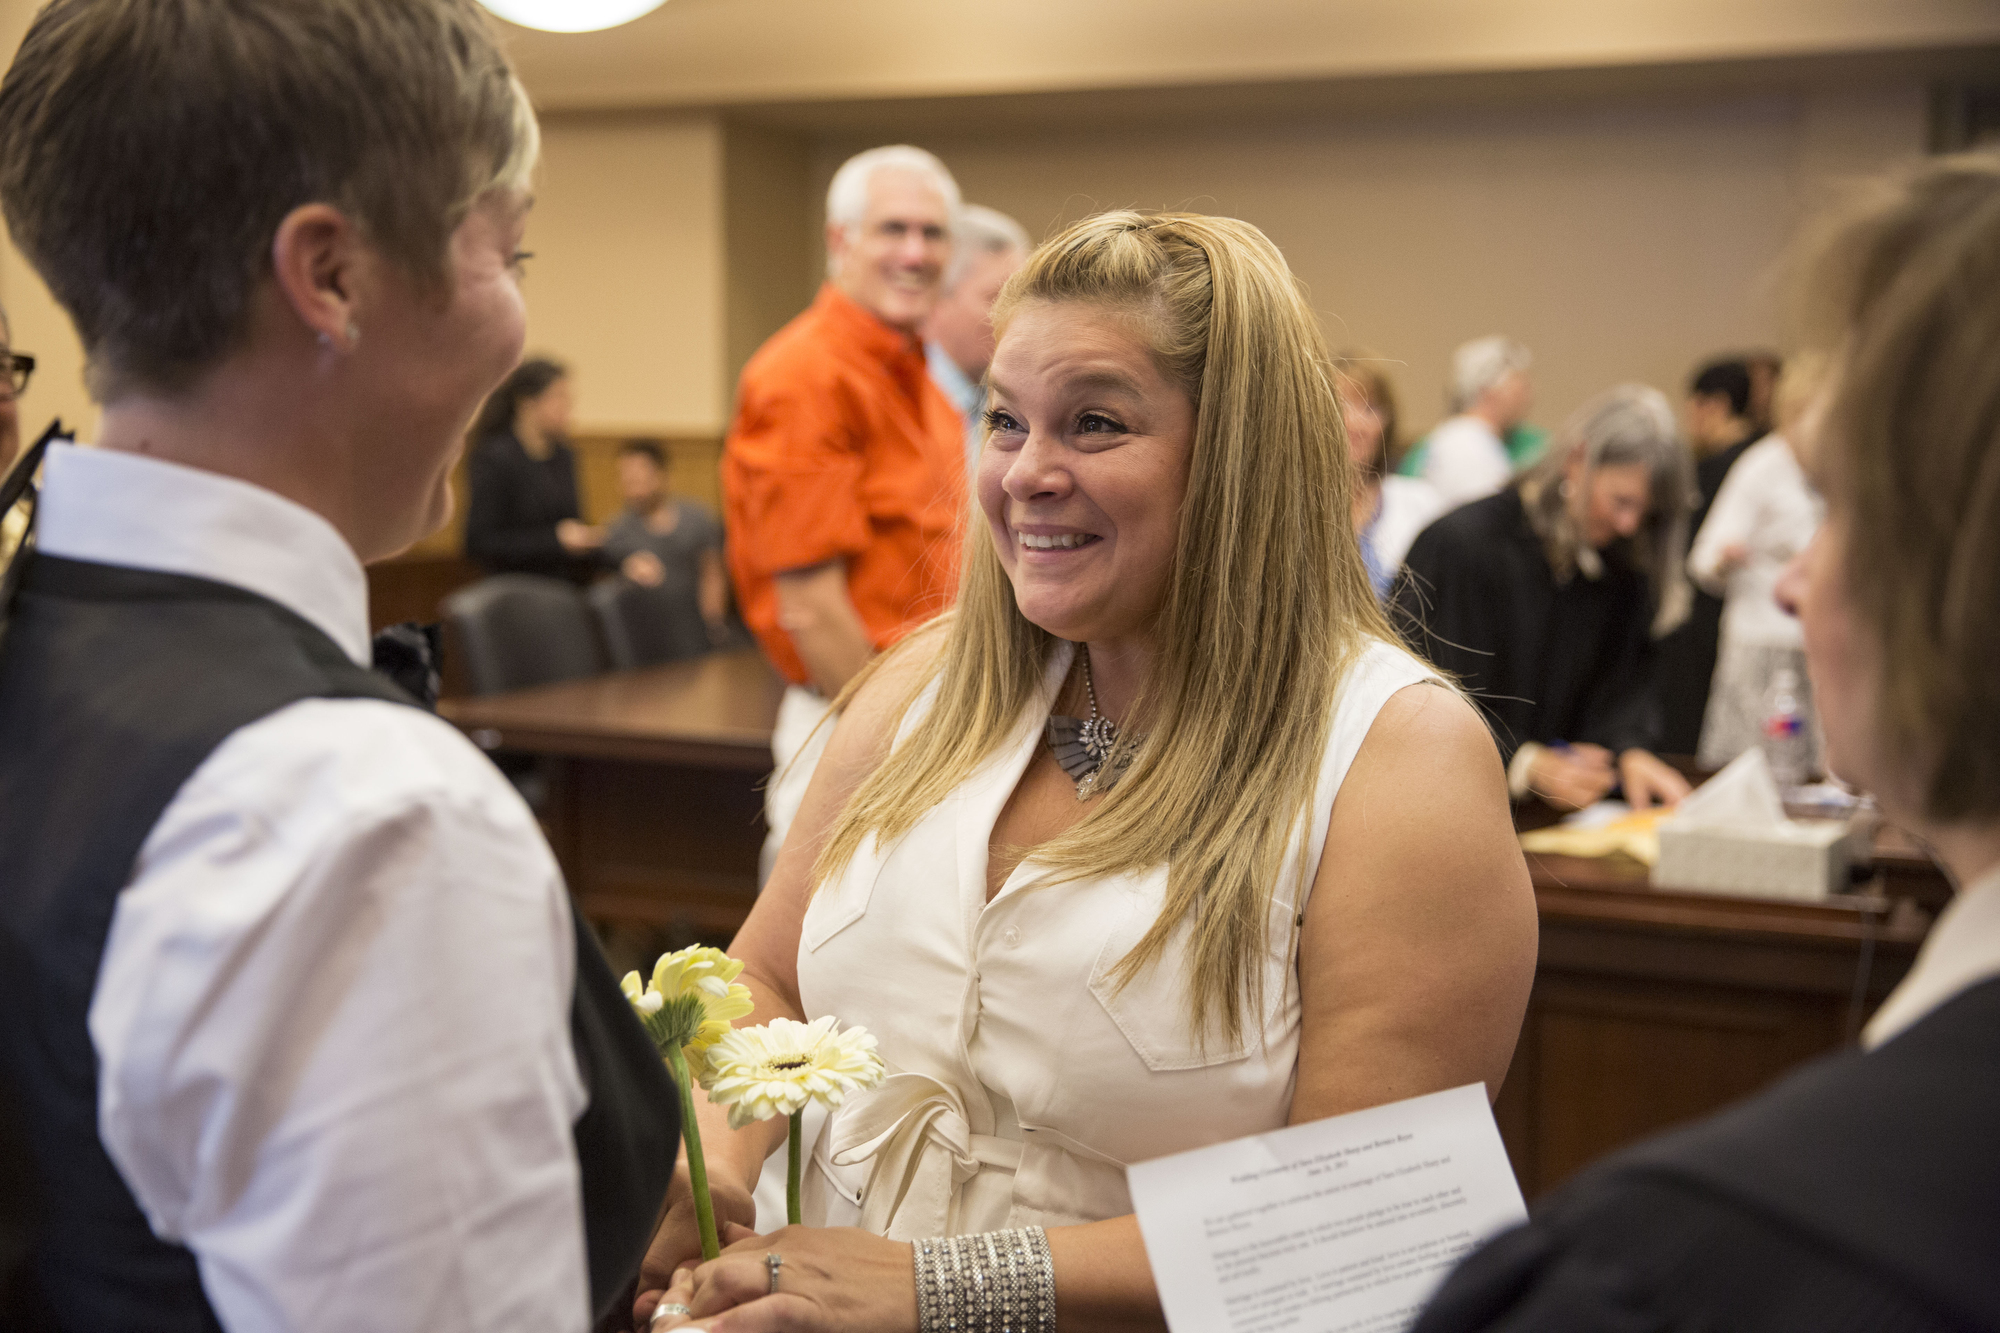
641, 626
516, 630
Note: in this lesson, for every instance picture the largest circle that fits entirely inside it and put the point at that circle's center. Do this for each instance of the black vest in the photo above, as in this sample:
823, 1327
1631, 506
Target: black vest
115, 685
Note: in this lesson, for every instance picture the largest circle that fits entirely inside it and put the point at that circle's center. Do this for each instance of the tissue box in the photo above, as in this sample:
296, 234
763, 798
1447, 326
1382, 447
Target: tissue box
1801, 858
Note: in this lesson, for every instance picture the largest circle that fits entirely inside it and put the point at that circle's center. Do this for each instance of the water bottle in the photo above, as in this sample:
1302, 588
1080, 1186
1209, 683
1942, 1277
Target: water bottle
1786, 742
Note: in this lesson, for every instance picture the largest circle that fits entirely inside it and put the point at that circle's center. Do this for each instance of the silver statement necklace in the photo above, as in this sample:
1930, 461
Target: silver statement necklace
1082, 745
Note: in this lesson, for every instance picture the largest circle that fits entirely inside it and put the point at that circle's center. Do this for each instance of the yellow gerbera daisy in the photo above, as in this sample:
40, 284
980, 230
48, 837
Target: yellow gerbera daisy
686, 1008
690, 1002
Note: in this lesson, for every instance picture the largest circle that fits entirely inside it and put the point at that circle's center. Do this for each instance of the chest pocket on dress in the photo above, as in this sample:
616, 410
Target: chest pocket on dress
845, 901
1151, 1008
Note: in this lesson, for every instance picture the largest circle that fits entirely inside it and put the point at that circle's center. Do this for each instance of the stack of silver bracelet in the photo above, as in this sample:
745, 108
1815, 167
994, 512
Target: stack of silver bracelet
995, 1282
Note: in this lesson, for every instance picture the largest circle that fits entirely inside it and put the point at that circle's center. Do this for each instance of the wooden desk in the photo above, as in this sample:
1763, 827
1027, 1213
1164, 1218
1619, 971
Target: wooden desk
1653, 1007
1650, 1007
655, 806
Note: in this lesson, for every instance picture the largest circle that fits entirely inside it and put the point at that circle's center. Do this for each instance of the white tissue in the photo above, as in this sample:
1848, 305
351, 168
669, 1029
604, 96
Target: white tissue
1731, 836
1743, 795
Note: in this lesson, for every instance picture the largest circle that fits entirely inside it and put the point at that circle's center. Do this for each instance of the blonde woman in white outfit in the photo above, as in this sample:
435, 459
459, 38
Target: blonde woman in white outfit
1158, 840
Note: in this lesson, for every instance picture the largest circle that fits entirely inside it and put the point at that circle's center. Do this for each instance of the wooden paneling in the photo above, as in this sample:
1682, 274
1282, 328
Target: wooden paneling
1606, 1060
650, 844
413, 586
693, 469
1652, 1008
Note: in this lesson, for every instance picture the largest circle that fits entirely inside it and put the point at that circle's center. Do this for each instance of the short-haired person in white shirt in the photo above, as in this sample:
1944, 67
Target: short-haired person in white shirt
1465, 456
299, 1023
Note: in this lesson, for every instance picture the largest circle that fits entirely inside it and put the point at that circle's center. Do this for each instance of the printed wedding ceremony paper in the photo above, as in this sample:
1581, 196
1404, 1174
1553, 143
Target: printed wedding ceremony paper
1344, 1225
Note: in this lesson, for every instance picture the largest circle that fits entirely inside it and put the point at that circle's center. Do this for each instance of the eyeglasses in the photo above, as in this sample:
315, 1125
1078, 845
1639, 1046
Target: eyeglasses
19, 366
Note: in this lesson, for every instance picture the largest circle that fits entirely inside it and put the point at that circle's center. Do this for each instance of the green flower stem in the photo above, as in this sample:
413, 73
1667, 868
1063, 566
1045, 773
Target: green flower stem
704, 1207
792, 1152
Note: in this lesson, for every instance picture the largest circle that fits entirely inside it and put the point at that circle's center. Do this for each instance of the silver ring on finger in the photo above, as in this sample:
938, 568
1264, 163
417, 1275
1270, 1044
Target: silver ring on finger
665, 1308
772, 1263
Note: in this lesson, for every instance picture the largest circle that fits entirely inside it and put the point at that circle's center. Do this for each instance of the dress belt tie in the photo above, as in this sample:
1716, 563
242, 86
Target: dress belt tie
920, 1149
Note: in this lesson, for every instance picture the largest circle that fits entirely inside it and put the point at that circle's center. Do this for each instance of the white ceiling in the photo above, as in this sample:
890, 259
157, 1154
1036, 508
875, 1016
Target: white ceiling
774, 52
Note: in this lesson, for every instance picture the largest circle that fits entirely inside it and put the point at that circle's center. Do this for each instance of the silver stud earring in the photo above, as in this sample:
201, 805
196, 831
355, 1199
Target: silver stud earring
353, 335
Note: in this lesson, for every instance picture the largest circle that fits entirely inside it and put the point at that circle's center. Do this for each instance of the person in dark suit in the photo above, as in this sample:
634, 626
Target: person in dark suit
1544, 600
1864, 1191
523, 516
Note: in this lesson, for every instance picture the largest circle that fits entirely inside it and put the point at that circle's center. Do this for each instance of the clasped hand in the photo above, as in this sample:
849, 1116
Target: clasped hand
830, 1280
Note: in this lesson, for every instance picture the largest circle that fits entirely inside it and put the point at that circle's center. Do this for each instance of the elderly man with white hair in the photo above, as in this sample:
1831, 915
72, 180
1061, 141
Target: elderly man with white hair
1466, 456
958, 337
843, 474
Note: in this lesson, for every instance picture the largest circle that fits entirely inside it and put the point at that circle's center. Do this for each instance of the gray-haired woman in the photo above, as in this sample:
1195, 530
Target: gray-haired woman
1545, 601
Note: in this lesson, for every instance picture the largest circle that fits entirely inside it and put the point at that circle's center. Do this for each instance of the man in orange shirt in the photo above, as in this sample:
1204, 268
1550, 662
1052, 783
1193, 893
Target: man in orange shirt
843, 476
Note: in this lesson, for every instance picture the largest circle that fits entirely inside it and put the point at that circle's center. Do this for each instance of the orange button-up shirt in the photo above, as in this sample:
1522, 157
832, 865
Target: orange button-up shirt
842, 447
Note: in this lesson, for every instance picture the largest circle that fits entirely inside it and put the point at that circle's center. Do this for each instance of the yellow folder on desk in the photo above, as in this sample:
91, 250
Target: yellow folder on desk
1635, 835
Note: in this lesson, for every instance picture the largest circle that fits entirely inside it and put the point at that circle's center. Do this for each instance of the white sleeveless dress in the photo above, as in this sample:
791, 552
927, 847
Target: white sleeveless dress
1021, 1081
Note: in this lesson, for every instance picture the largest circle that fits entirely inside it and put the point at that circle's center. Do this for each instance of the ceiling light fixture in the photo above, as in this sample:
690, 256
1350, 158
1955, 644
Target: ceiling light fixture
571, 15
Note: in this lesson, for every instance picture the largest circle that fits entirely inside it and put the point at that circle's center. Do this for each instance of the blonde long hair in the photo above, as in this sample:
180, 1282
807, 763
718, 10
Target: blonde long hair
1267, 604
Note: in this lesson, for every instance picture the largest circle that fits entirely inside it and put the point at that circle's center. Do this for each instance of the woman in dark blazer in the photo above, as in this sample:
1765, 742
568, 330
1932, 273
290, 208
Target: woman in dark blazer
523, 517
1864, 1191
1545, 601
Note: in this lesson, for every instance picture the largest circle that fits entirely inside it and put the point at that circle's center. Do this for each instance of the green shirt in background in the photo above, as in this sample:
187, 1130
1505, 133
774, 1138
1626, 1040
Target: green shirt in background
1525, 444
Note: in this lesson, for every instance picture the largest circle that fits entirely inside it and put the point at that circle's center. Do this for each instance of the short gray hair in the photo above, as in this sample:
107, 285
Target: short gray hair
979, 230
847, 196
1482, 363
1632, 423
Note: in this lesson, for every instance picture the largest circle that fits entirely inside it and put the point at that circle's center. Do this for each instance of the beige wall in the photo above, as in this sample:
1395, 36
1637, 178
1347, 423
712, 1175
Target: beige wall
771, 226
1618, 240
1618, 237
42, 329
627, 283
627, 280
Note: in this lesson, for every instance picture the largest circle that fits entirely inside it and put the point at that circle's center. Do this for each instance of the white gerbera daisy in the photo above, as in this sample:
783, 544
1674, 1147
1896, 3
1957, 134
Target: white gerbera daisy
776, 1069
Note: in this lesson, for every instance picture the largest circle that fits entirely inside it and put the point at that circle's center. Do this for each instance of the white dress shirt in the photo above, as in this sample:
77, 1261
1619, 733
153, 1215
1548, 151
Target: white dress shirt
1465, 460
1766, 506
332, 1017
1962, 950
